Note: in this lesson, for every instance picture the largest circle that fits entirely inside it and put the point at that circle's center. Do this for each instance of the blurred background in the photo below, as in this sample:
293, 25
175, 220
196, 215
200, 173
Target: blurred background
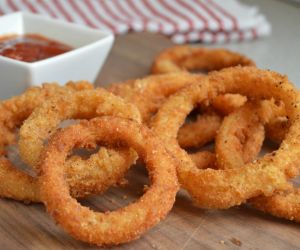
265, 30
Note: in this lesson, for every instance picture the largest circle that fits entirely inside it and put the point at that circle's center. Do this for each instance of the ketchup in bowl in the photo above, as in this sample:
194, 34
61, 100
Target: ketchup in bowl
31, 47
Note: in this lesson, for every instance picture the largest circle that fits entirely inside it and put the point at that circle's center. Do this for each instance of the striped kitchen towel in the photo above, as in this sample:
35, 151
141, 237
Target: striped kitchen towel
208, 21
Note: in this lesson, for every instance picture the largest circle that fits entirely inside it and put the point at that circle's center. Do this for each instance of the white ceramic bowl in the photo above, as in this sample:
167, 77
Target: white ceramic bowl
91, 48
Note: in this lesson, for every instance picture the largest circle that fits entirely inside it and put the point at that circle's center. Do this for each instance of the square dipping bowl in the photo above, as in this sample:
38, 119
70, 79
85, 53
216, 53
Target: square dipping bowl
84, 62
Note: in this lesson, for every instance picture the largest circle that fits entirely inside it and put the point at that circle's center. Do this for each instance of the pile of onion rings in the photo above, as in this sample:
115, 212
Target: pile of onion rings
170, 120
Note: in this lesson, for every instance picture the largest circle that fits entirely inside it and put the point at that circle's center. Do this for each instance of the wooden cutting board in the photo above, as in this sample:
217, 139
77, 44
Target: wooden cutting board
186, 227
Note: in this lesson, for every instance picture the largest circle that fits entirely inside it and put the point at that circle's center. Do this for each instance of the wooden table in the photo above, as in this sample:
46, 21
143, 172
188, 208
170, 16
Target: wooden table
186, 227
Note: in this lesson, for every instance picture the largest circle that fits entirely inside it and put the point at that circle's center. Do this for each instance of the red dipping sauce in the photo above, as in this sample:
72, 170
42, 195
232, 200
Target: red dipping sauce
31, 47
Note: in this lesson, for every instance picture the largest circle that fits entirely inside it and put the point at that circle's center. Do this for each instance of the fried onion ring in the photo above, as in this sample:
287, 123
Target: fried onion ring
242, 133
125, 224
187, 58
15, 183
285, 204
251, 120
149, 93
222, 189
101, 170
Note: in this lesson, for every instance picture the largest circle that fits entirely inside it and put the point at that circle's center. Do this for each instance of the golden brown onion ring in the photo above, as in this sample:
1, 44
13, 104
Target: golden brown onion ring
149, 93
122, 225
283, 204
187, 58
101, 170
250, 119
225, 188
15, 183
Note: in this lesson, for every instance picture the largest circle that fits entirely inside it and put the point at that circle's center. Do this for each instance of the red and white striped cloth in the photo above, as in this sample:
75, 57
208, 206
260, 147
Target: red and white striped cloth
208, 21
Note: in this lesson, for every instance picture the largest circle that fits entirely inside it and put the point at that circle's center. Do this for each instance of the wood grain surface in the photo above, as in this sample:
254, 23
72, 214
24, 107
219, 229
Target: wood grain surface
186, 227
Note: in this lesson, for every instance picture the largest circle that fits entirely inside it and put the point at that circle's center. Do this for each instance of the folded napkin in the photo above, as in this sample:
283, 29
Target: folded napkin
208, 21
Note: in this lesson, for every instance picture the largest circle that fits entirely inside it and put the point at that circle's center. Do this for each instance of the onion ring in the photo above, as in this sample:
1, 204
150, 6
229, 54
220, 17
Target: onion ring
149, 93
285, 204
123, 225
101, 170
243, 132
186, 58
16, 184
225, 188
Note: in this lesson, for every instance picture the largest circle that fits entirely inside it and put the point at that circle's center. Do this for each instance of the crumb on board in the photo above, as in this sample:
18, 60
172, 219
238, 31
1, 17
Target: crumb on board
236, 242
222, 242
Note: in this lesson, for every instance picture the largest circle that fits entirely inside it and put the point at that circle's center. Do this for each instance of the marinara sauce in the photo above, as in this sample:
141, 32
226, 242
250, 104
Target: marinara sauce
31, 47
